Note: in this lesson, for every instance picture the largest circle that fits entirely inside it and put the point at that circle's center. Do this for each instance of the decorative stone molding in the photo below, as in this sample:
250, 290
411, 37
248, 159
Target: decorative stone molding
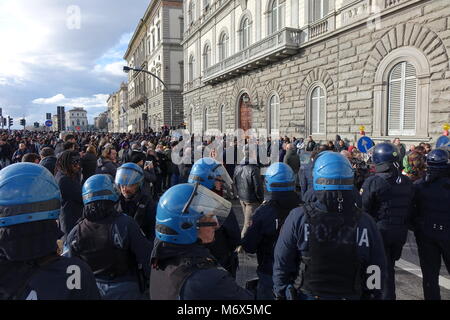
317, 75
271, 87
404, 35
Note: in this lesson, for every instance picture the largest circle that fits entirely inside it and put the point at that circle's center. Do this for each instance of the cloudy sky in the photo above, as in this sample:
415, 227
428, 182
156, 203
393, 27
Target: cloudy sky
63, 52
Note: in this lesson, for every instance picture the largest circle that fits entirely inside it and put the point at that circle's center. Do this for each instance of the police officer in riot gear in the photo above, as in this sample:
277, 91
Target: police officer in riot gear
182, 267
134, 200
431, 220
334, 247
213, 175
387, 197
30, 268
279, 199
111, 243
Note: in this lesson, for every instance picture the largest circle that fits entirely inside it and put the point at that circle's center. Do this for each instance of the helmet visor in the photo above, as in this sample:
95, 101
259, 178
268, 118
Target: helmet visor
128, 176
206, 202
221, 174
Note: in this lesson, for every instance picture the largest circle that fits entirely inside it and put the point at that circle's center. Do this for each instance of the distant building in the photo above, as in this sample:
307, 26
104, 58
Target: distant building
101, 122
156, 47
76, 120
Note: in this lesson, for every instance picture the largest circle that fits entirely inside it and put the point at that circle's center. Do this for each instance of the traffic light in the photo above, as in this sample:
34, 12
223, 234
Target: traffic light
22, 122
36, 124
4, 121
10, 122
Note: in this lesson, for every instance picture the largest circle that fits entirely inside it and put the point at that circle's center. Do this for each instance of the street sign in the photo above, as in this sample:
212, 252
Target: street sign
365, 144
49, 123
443, 141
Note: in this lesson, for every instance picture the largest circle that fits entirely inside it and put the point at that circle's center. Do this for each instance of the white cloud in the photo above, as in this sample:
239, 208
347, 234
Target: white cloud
115, 69
96, 101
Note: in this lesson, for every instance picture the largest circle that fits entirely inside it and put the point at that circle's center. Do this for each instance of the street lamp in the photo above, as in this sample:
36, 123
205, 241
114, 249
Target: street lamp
128, 69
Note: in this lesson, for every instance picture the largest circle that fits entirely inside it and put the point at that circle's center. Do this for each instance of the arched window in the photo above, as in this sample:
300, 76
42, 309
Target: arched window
205, 120
402, 104
223, 119
191, 68
318, 114
223, 46
276, 21
206, 56
245, 33
191, 12
274, 114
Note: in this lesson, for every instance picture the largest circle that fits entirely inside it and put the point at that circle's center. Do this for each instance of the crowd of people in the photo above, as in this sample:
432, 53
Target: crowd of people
137, 225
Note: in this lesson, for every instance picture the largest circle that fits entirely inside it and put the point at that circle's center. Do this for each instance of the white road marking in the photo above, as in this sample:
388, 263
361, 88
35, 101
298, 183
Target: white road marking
414, 269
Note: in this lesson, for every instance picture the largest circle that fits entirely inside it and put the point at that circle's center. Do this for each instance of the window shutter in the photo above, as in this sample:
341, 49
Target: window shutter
314, 113
409, 120
402, 100
322, 113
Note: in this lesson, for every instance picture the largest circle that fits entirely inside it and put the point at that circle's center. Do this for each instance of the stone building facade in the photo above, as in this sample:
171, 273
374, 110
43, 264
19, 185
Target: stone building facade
156, 47
319, 67
76, 120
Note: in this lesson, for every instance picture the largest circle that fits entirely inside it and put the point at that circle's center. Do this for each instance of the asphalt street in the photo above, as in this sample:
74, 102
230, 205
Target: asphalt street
408, 272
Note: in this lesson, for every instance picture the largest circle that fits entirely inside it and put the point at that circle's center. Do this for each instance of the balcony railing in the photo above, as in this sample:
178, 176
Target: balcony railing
276, 46
136, 100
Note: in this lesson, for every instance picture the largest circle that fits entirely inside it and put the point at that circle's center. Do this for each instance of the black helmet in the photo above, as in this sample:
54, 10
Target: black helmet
438, 158
385, 152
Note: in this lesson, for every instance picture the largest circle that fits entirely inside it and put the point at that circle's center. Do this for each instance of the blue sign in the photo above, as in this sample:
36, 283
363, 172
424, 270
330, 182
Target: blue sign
48, 123
365, 144
443, 141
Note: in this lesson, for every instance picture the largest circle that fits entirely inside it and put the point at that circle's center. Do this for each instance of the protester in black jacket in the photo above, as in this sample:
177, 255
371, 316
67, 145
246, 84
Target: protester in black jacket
107, 164
68, 179
48, 159
88, 163
248, 182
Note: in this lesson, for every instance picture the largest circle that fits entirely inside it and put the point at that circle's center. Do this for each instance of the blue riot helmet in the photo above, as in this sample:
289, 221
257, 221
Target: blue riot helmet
180, 209
99, 187
332, 171
279, 177
28, 193
206, 171
129, 174
438, 158
385, 153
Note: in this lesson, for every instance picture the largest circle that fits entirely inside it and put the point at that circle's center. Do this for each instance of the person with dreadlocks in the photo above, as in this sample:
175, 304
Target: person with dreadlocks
68, 179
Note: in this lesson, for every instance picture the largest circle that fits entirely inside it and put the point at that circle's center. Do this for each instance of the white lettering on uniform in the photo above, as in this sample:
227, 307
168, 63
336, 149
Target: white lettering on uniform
364, 239
306, 232
32, 295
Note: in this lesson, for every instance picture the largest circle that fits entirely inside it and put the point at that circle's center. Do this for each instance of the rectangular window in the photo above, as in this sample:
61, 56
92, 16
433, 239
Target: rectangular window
320, 9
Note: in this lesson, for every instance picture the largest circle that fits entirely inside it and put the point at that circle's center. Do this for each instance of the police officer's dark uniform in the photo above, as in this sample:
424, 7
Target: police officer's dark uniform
111, 243
141, 206
182, 266
387, 197
326, 249
431, 221
30, 268
280, 199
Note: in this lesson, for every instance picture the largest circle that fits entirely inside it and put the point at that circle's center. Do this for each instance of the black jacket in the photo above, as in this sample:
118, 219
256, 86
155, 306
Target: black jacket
248, 182
49, 163
88, 165
72, 201
105, 166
